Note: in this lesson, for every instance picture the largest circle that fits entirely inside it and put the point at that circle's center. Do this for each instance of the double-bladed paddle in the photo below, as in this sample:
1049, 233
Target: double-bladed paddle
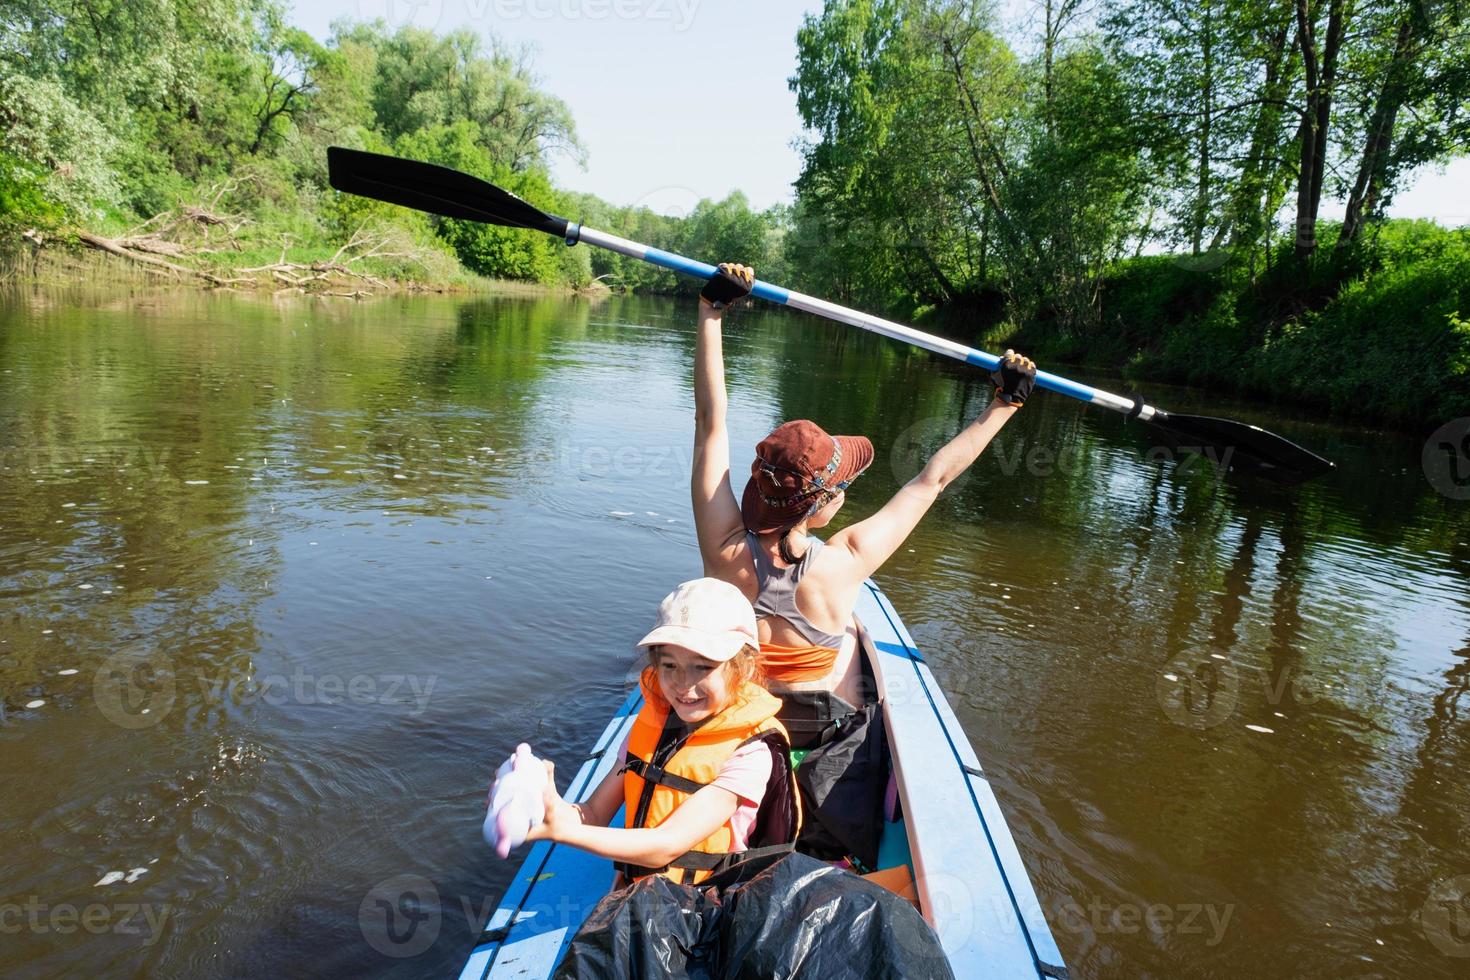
440, 190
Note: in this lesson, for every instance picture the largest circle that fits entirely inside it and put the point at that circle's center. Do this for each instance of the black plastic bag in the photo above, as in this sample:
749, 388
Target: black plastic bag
792, 916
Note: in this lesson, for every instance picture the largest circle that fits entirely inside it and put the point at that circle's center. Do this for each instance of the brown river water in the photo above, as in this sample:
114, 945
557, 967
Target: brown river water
281, 582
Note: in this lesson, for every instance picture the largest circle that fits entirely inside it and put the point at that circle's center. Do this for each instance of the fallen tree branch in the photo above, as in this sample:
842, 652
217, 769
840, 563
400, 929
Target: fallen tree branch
199, 216
113, 247
147, 246
153, 244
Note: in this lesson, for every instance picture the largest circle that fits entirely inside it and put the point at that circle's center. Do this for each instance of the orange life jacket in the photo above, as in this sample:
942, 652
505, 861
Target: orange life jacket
667, 764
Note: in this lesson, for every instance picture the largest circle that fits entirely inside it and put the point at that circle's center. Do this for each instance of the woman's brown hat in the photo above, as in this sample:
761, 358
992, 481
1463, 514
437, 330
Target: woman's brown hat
795, 466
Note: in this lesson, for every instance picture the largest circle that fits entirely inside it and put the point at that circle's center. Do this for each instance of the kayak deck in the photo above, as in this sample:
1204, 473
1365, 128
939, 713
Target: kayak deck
968, 876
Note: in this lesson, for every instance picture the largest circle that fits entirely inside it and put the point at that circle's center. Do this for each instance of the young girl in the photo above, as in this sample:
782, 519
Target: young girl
707, 779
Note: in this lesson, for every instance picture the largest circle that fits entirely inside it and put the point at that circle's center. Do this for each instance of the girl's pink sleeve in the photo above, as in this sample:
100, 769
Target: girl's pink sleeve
746, 772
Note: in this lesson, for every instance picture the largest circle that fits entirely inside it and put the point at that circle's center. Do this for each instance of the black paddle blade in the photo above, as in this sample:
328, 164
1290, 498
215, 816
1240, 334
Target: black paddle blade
1240, 447
435, 189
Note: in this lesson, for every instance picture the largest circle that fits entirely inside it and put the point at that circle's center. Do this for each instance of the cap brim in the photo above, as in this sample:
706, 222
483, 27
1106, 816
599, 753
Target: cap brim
711, 646
857, 456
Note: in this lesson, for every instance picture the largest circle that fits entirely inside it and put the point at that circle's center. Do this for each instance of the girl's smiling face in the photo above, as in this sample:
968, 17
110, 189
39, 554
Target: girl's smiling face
696, 687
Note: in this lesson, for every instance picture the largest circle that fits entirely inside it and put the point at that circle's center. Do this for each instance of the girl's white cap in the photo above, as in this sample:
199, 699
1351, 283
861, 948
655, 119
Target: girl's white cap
711, 617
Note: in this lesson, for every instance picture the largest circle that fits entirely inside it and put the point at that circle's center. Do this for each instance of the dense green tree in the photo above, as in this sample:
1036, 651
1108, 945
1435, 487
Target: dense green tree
422, 80
1206, 80
54, 145
115, 56
955, 166
491, 250
25, 202
894, 205
163, 78
1255, 104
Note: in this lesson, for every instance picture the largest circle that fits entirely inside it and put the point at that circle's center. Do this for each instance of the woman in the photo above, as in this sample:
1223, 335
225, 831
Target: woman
802, 589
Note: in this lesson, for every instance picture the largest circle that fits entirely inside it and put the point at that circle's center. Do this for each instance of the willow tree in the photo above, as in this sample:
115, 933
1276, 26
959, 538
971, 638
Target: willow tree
422, 80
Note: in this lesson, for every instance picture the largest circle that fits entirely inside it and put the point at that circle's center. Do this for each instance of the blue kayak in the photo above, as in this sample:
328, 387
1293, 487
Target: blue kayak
949, 837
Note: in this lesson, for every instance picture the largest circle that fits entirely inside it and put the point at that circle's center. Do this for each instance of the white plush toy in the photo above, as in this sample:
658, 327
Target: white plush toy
516, 801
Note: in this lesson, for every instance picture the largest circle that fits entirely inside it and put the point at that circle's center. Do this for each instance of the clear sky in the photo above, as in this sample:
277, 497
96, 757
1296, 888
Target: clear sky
676, 100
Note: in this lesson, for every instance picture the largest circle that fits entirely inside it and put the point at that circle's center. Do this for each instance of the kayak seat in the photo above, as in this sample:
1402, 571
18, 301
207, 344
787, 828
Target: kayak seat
898, 880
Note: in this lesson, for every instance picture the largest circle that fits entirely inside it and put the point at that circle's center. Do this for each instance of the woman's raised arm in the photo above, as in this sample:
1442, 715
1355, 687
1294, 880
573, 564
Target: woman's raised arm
717, 519
871, 542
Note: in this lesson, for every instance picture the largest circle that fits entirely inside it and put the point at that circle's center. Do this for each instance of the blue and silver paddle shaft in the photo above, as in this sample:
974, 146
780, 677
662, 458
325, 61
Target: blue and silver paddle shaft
856, 318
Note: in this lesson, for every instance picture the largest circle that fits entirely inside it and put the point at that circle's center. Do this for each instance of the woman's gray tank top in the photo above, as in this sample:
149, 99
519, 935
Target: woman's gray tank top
777, 591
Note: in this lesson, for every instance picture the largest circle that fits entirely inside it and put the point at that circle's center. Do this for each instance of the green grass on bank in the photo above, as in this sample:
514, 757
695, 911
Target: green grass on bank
1382, 333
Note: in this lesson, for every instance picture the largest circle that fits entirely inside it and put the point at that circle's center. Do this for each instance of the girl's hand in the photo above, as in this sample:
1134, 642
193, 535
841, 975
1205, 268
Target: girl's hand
560, 815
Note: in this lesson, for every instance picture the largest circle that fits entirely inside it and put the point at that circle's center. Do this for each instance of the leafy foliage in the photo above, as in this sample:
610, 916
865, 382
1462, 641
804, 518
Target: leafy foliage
1393, 344
945, 167
115, 111
47, 133
24, 201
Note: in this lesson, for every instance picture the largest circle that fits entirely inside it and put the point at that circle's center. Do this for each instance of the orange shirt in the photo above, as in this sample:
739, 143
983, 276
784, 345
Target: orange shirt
796, 665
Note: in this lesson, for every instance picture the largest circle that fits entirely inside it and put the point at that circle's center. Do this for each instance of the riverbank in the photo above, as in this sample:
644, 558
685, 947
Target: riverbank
237, 194
1379, 335
64, 266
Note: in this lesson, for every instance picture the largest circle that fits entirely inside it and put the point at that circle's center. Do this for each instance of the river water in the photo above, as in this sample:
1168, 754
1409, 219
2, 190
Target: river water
280, 582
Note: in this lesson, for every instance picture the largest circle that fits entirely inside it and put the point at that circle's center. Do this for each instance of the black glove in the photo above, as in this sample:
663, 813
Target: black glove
1014, 379
729, 283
